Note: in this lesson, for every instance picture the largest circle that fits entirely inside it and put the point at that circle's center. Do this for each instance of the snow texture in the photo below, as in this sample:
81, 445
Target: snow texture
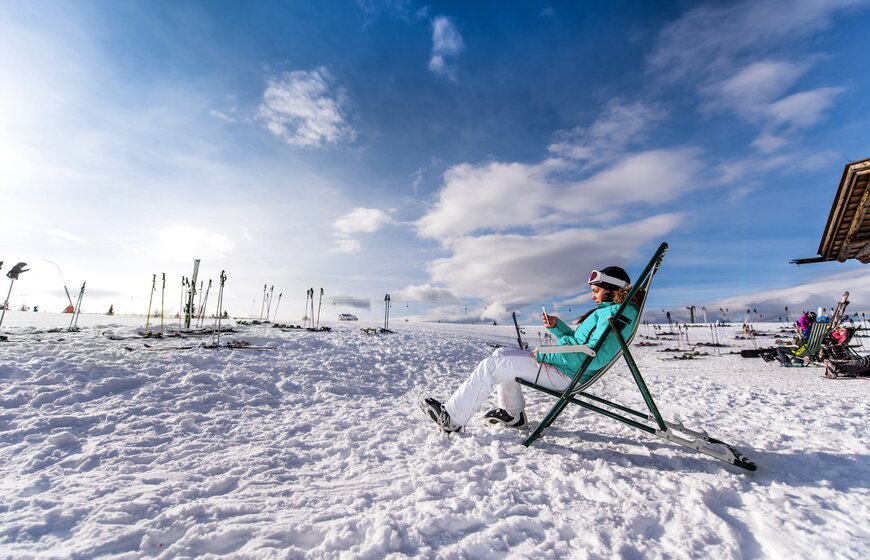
316, 449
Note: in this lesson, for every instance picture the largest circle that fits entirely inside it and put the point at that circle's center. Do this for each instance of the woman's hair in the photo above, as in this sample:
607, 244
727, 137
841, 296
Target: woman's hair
617, 296
620, 295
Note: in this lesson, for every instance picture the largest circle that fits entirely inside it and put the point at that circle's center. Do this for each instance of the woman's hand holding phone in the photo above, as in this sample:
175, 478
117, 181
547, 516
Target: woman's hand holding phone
549, 321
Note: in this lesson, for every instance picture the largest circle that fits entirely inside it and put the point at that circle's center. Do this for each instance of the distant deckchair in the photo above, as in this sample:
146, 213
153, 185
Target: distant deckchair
810, 351
818, 337
844, 351
651, 422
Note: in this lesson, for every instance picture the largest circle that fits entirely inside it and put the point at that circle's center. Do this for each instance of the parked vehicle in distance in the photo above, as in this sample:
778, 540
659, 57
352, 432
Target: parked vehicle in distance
347, 317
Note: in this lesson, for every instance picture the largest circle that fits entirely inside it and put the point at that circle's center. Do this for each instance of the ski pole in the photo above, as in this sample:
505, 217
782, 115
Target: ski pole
276, 306
162, 293
199, 303
6, 303
13, 274
181, 301
223, 278
319, 303
387, 312
79, 306
269, 307
201, 319
263, 306
148, 317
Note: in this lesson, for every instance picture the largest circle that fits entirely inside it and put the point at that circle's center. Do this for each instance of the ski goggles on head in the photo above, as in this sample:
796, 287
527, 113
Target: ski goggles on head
598, 277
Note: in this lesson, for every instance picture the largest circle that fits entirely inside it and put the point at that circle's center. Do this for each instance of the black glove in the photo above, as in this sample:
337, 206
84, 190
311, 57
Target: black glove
16, 270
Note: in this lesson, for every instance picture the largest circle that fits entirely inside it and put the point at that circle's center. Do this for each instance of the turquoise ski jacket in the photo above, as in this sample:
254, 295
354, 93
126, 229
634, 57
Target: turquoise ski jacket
588, 332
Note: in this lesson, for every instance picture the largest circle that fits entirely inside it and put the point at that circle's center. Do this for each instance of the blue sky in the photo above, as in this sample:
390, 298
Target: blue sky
470, 158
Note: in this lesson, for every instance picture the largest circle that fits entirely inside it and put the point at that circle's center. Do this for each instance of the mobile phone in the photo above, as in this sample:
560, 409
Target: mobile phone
544, 311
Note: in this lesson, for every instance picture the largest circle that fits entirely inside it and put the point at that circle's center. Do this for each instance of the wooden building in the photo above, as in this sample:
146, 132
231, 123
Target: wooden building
847, 233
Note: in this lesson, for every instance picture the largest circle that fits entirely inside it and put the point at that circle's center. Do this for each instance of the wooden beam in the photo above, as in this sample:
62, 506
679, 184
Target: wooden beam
857, 219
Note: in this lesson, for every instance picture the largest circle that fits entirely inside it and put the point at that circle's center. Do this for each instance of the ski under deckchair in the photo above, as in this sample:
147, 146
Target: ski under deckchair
651, 422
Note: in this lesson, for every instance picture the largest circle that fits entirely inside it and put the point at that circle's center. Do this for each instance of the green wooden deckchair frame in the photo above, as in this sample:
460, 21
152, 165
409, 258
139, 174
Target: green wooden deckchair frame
651, 422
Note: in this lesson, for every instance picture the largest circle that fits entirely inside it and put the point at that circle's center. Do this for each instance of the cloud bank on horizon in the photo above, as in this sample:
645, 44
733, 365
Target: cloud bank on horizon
468, 166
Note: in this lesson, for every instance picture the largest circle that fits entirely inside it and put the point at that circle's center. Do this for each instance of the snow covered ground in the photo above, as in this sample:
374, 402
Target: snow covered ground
316, 449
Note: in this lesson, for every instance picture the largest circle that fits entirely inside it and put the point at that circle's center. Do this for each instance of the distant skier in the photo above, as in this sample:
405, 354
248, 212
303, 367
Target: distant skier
610, 286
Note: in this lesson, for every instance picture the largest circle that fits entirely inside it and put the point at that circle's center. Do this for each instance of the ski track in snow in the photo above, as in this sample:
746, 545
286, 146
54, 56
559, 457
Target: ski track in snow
317, 449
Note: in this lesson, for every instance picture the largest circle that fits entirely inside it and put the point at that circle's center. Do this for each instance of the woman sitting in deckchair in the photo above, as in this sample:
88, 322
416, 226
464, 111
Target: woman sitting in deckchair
610, 286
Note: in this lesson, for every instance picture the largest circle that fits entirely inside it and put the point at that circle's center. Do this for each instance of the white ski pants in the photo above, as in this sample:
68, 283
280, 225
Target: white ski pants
501, 370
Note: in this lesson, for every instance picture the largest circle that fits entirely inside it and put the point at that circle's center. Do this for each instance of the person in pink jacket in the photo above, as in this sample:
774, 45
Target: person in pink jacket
805, 322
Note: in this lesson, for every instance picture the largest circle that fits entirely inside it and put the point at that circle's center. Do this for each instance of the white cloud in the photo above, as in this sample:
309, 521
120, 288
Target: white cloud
755, 93
222, 116
515, 269
397, 8
805, 108
438, 65
820, 293
346, 245
746, 175
494, 311
495, 196
617, 127
358, 220
362, 220
652, 177
353, 302
66, 235
767, 143
504, 196
707, 39
416, 180
303, 109
447, 44
446, 39
761, 81
733, 53
819, 160
184, 241
425, 293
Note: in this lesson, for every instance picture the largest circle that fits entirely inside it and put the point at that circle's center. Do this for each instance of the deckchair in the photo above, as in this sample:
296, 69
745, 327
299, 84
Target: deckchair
842, 352
811, 352
651, 422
